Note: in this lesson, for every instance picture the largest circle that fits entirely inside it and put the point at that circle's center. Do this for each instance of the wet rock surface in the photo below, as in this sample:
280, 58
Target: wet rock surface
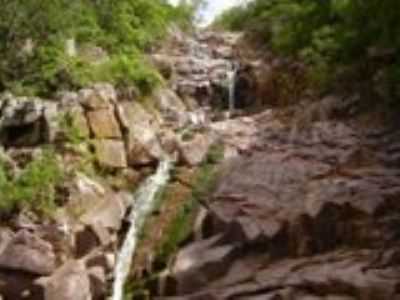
197, 67
300, 213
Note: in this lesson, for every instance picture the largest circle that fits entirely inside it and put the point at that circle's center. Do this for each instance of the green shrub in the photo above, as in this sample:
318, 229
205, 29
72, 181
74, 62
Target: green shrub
125, 29
34, 188
204, 183
330, 36
70, 129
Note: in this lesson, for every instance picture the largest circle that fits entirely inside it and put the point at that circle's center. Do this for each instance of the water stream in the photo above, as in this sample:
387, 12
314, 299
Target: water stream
142, 206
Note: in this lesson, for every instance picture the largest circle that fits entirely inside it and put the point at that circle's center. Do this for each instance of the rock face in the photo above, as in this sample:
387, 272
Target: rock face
27, 252
198, 67
110, 154
26, 121
194, 152
100, 96
70, 282
119, 136
300, 214
143, 146
76, 249
103, 124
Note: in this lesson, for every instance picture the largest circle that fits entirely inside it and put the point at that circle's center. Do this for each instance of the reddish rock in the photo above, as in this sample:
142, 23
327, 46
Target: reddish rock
28, 253
195, 151
305, 213
70, 282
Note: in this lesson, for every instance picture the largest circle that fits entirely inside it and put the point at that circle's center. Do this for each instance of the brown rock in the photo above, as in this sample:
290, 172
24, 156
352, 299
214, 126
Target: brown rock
143, 146
139, 154
69, 282
134, 117
29, 253
197, 265
17, 285
305, 213
104, 124
99, 210
194, 152
100, 96
110, 154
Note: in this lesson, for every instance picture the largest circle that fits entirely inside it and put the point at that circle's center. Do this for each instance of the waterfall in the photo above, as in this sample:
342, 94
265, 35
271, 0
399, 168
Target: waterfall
143, 204
231, 81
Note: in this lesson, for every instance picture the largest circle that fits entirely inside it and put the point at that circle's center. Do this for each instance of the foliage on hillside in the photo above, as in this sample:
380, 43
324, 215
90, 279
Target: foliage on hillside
33, 37
336, 38
34, 187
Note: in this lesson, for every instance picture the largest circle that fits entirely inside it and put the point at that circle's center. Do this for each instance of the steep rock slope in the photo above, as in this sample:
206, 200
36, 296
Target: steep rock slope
307, 213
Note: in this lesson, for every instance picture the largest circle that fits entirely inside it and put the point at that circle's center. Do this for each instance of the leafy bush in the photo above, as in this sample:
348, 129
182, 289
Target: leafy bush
33, 37
34, 187
331, 36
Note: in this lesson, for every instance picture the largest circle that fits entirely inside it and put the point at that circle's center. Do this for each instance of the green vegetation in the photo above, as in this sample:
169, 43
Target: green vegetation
180, 229
34, 187
204, 183
111, 38
345, 43
69, 127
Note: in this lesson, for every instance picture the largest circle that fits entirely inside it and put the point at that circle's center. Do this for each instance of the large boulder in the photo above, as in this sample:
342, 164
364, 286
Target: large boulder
110, 154
100, 96
69, 282
27, 121
194, 151
97, 213
27, 252
171, 107
143, 145
104, 124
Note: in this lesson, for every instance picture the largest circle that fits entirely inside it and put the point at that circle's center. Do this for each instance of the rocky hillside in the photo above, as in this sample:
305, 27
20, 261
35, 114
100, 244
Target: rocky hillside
300, 214
69, 165
288, 201
304, 206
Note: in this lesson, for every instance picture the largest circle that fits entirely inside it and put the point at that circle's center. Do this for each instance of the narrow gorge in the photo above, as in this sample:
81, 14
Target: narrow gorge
225, 183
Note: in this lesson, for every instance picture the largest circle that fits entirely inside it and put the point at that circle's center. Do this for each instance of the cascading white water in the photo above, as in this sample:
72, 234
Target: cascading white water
141, 207
231, 81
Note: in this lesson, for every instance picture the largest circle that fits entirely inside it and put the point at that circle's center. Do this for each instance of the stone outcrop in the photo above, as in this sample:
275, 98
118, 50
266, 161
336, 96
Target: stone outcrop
103, 124
300, 213
28, 253
97, 208
71, 255
26, 121
110, 154
194, 151
100, 96
70, 282
142, 143
198, 67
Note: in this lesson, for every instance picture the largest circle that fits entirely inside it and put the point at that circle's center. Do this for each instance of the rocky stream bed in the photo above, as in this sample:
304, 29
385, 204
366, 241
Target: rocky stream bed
301, 209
